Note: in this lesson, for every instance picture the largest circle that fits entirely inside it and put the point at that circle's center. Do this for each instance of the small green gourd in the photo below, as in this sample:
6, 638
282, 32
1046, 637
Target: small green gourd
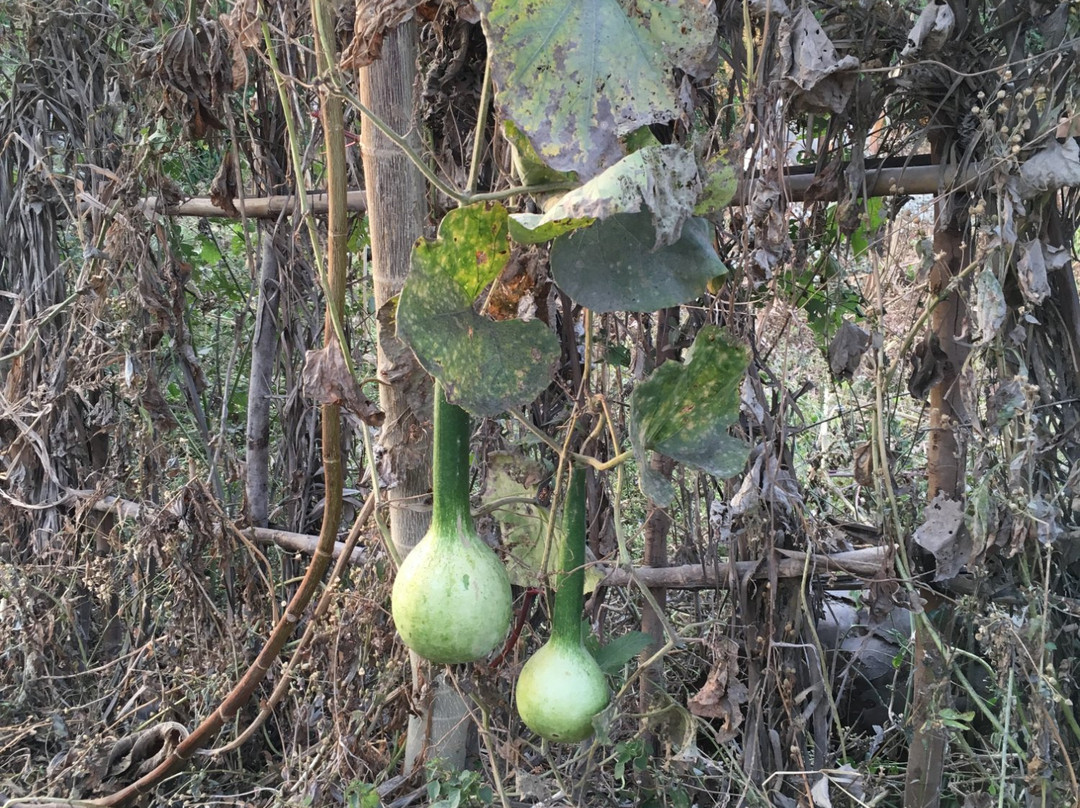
561, 687
451, 599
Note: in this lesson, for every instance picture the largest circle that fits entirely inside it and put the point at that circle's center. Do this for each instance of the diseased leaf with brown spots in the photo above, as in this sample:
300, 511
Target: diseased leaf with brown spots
575, 75
684, 411
485, 366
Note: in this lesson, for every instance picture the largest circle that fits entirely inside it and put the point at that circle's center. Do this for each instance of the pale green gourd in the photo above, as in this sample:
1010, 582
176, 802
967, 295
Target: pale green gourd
561, 687
451, 599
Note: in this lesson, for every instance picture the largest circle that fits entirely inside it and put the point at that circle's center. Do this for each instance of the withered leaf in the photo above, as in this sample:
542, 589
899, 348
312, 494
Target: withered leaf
151, 400
928, 365
327, 381
372, 20
815, 74
863, 464
722, 692
223, 187
826, 184
945, 537
242, 22
139, 753
846, 350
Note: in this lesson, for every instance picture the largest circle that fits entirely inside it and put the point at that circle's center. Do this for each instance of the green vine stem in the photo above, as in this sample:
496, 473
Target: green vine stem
481, 125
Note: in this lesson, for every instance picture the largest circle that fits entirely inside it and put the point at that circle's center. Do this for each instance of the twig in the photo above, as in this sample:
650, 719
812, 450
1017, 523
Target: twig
282, 687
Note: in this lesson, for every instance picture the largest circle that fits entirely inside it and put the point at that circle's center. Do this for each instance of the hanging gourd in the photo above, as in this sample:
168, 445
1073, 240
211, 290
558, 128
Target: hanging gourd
561, 687
451, 599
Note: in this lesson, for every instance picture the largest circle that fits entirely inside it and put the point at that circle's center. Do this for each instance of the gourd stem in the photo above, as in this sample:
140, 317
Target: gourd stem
570, 596
450, 514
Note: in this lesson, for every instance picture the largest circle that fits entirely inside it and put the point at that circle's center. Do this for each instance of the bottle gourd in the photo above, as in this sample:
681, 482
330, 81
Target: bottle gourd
451, 599
561, 687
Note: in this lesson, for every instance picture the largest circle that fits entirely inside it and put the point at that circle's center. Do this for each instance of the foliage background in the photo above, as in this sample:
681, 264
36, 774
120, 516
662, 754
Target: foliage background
126, 364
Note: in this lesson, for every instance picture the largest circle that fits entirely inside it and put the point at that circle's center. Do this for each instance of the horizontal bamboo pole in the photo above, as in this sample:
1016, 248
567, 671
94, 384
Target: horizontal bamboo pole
861, 564
858, 564
296, 542
913, 179
260, 207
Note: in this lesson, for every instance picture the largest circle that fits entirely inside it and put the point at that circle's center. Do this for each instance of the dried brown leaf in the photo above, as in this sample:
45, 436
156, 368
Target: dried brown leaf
846, 350
722, 692
135, 755
151, 400
1055, 166
863, 464
223, 188
327, 380
373, 19
928, 365
943, 535
244, 24
818, 78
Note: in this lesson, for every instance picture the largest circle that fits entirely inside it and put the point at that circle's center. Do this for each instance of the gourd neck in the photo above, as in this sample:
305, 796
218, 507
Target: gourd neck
450, 515
570, 595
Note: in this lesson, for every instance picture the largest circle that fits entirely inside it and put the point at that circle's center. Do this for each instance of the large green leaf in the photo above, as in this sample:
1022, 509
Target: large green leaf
663, 179
485, 366
574, 75
612, 266
684, 411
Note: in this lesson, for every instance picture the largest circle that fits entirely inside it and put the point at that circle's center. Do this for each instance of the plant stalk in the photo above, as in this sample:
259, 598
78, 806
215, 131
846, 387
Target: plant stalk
570, 591
450, 515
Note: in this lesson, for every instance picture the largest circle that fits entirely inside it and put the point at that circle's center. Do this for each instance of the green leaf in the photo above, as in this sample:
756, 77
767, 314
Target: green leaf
485, 366
719, 188
611, 266
208, 251
684, 411
536, 228
955, 719
618, 652
640, 138
574, 75
361, 795
663, 179
359, 236
627, 752
875, 216
530, 168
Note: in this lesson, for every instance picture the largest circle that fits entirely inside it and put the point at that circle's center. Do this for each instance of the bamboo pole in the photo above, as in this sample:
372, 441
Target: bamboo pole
261, 207
914, 179
859, 565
